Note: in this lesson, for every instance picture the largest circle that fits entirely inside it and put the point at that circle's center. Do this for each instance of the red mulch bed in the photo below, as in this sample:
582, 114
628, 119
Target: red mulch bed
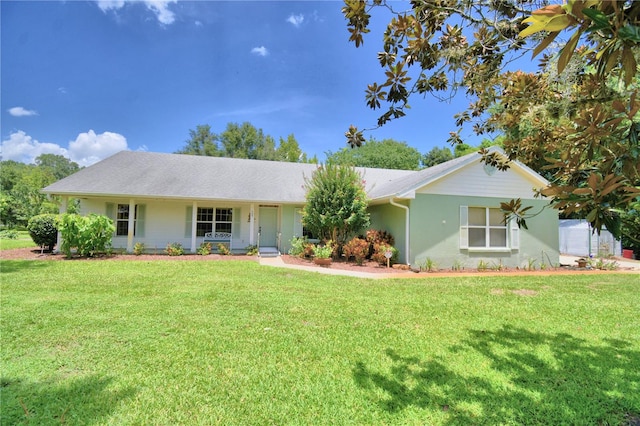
370, 267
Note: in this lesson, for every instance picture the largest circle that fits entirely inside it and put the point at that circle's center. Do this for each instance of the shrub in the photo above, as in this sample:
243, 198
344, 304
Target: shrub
379, 254
174, 249
252, 250
223, 249
324, 251
356, 248
89, 235
298, 246
204, 249
138, 249
9, 234
376, 237
44, 230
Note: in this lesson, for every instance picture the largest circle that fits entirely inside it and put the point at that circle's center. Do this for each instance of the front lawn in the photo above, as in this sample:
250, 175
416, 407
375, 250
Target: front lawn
192, 342
23, 240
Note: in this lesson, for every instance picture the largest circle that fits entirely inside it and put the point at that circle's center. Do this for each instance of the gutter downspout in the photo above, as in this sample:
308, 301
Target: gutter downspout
406, 226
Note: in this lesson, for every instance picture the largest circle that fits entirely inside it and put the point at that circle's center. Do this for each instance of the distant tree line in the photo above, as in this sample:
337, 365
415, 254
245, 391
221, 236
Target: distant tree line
21, 184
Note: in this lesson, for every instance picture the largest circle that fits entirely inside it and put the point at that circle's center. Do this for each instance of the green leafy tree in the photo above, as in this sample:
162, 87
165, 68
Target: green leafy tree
242, 141
385, 154
442, 48
58, 165
336, 203
201, 142
436, 156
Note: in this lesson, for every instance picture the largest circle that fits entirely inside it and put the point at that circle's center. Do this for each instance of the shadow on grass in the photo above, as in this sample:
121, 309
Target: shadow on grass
528, 378
12, 266
81, 401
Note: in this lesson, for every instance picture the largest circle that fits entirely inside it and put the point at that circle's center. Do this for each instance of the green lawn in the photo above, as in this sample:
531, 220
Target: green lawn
23, 241
233, 343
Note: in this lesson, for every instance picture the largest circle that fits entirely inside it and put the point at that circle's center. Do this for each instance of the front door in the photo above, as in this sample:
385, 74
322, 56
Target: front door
268, 226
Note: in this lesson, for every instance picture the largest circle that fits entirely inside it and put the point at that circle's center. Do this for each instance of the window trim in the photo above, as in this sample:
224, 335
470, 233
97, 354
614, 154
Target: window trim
215, 211
119, 220
512, 238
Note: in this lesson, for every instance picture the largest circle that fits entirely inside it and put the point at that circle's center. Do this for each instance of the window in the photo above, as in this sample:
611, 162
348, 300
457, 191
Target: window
224, 219
204, 221
208, 220
122, 219
484, 228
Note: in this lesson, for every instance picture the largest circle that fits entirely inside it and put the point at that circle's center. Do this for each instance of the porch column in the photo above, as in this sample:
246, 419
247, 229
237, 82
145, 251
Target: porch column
131, 225
194, 225
64, 205
252, 217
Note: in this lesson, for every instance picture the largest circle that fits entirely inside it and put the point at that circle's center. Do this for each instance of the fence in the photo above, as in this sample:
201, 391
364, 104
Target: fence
577, 238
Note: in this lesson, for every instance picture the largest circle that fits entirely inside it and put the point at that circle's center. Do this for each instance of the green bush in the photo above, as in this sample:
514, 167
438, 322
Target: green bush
9, 234
44, 230
174, 249
298, 245
138, 249
224, 249
89, 235
204, 249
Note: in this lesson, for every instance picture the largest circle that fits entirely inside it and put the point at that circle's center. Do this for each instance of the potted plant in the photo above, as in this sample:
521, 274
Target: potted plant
582, 262
322, 254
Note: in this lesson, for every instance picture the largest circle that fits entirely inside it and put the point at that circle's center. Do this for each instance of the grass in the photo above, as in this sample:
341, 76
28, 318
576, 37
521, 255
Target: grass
187, 342
23, 241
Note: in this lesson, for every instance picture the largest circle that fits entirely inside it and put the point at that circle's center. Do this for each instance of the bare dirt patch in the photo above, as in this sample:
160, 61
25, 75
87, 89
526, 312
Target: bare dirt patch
525, 292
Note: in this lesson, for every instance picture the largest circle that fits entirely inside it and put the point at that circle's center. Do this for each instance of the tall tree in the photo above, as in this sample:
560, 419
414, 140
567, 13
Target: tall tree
201, 142
59, 166
336, 206
385, 154
440, 48
437, 156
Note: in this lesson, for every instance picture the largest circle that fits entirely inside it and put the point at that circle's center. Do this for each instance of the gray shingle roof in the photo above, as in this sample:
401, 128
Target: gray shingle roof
156, 175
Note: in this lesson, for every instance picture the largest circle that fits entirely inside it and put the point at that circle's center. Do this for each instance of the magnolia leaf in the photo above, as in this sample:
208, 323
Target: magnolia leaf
582, 191
567, 51
599, 19
559, 23
544, 43
630, 32
550, 10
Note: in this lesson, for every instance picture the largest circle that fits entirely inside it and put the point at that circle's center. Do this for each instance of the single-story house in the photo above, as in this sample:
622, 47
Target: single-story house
448, 213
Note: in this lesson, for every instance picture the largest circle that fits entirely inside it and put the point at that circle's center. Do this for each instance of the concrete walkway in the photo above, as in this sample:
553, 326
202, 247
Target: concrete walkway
634, 265
279, 263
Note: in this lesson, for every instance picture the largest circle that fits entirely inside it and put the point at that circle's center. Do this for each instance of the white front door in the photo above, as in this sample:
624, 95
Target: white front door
268, 226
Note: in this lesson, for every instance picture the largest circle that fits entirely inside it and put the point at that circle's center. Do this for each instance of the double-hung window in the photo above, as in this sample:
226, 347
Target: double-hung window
484, 228
122, 219
209, 219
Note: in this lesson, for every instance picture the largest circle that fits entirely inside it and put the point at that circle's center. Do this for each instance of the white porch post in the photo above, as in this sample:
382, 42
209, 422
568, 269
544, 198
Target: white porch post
252, 226
194, 226
131, 225
64, 205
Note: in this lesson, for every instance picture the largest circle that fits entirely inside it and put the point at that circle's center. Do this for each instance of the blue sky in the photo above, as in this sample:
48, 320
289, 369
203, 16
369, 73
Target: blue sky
87, 79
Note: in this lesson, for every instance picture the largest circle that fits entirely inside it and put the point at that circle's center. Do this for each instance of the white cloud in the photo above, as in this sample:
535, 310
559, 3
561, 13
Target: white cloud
106, 5
21, 112
295, 20
159, 7
88, 148
260, 51
23, 148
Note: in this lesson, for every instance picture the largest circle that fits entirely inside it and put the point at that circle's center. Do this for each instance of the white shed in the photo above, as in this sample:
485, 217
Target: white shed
577, 238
